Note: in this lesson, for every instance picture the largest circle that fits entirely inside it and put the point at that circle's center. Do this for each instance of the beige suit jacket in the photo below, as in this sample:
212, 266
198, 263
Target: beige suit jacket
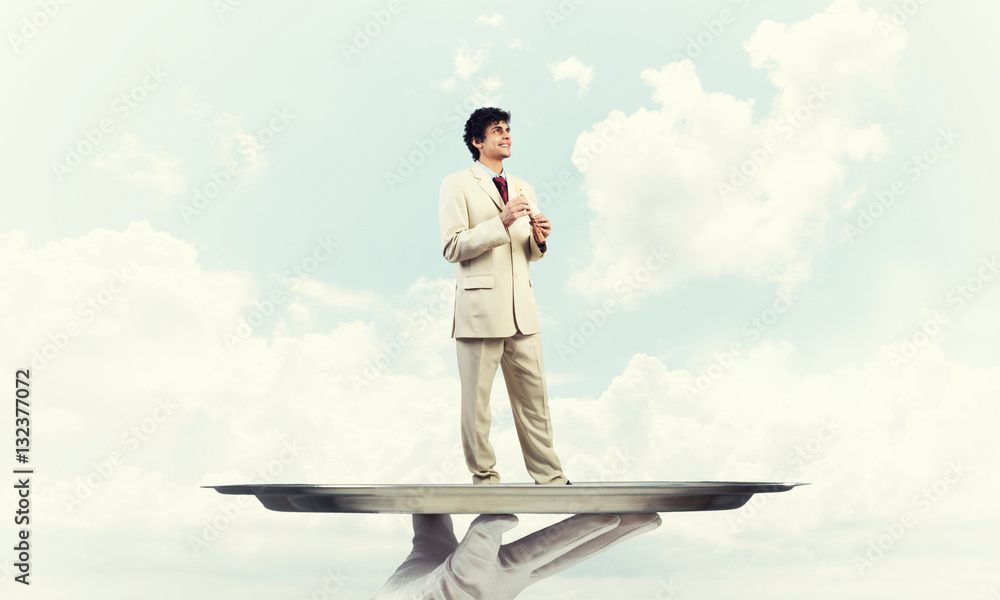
493, 295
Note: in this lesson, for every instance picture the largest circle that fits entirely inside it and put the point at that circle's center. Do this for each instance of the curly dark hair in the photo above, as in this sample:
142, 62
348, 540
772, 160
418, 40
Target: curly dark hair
479, 120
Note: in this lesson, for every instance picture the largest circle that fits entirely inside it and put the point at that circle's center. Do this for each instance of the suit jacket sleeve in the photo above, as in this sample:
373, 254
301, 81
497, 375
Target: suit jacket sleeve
459, 241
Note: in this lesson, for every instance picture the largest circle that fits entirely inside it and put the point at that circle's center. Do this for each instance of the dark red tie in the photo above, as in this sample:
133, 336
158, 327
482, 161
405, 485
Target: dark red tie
502, 186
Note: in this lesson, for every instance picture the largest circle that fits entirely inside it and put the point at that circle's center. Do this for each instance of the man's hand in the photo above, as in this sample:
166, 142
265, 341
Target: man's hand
441, 568
544, 227
515, 209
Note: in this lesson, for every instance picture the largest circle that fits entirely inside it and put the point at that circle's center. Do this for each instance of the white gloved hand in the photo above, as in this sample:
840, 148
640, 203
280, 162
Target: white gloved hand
439, 568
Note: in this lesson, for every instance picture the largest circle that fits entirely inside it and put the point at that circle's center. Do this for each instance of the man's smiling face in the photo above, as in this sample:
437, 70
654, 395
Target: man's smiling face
496, 142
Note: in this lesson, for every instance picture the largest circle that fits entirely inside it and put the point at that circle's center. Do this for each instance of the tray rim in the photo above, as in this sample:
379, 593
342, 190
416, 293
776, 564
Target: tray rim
585, 497
613, 487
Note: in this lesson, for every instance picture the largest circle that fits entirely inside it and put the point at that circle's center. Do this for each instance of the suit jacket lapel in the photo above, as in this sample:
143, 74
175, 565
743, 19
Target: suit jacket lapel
487, 185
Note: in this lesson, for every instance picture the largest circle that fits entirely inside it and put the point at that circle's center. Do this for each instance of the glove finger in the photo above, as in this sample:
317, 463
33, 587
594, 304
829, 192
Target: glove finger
481, 544
433, 536
630, 526
548, 544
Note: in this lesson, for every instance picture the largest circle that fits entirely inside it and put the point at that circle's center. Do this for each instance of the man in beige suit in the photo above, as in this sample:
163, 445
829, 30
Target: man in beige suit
486, 219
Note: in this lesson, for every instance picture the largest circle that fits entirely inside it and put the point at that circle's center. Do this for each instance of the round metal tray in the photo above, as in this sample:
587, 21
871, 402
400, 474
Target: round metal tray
619, 497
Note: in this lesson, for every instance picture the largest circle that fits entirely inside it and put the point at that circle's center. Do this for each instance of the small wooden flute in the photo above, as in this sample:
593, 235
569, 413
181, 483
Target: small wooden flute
539, 238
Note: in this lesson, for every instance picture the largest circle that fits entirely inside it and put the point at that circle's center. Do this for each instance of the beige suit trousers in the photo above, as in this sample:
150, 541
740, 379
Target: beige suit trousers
520, 357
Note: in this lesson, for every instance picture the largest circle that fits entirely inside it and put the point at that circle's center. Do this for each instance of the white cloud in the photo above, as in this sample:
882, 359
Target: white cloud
841, 47
575, 71
448, 84
227, 133
335, 296
467, 62
495, 20
488, 91
154, 171
871, 440
722, 191
147, 324
156, 334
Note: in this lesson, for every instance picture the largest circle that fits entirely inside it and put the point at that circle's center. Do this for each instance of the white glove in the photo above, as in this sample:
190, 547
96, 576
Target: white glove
439, 568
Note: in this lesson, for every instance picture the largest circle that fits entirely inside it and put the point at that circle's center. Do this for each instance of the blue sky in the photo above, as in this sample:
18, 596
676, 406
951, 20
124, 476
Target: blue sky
765, 216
